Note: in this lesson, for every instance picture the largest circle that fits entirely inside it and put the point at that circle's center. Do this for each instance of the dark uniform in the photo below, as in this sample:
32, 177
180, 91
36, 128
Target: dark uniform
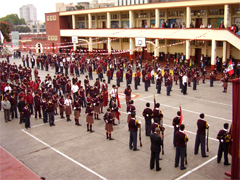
200, 137
133, 127
224, 141
147, 113
44, 108
50, 111
156, 143
26, 116
159, 84
37, 103
168, 84
175, 123
181, 139
157, 113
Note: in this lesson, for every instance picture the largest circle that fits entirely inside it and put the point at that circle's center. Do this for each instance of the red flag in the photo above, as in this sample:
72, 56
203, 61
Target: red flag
230, 68
181, 116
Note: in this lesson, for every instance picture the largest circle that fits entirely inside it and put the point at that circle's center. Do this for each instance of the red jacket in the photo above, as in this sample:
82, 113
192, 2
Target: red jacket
29, 99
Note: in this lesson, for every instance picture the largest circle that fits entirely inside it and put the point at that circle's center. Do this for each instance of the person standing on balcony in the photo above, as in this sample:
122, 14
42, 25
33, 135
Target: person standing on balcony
221, 26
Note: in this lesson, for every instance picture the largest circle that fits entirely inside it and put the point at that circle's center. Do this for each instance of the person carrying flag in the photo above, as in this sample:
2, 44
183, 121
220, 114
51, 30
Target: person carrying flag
176, 124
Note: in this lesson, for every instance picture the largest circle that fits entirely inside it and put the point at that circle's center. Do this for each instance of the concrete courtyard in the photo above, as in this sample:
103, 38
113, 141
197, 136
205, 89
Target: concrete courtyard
66, 151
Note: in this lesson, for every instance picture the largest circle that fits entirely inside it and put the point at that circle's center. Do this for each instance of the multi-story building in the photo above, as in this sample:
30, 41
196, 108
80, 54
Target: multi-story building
113, 30
64, 7
29, 13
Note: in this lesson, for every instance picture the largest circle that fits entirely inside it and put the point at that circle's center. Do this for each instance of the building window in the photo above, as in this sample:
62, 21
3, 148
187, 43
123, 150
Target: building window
55, 38
47, 18
116, 40
162, 14
54, 18
198, 12
93, 17
114, 16
176, 13
51, 18
81, 18
102, 17
125, 16
216, 11
125, 39
152, 14
162, 41
236, 11
49, 38
142, 15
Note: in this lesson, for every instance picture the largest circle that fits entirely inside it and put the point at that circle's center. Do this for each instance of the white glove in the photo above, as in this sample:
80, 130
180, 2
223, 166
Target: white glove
140, 122
176, 125
222, 140
147, 115
94, 104
74, 108
106, 121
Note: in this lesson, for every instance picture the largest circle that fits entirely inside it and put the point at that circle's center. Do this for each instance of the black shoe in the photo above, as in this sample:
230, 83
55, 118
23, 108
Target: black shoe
218, 161
53, 124
88, 130
226, 164
111, 139
115, 124
20, 123
205, 156
176, 166
91, 131
160, 159
183, 168
135, 149
130, 148
159, 169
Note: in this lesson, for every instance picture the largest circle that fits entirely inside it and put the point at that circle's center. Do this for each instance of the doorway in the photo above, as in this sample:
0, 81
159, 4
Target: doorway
198, 53
144, 23
198, 22
105, 46
104, 24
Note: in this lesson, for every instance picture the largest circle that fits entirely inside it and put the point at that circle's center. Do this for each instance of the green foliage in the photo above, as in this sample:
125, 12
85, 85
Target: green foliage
5, 29
13, 18
22, 29
78, 7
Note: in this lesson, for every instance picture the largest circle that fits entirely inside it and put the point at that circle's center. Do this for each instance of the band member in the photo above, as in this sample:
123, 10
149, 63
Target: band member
21, 105
77, 111
212, 75
157, 113
44, 110
181, 140
224, 138
50, 112
114, 109
55, 102
96, 104
147, 113
68, 103
89, 117
204, 72
108, 118
61, 106
128, 92
26, 116
195, 82
37, 104
168, 84
175, 123
133, 127
101, 102
159, 83
200, 136
130, 109
225, 83
156, 143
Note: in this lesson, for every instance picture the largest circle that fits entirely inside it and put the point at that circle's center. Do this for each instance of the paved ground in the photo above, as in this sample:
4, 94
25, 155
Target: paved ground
67, 151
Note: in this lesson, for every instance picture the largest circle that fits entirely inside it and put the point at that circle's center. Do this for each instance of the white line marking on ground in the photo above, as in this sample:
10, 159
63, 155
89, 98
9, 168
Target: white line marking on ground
192, 111
46, 123
79, 164
202, 100
214, 139
196, 168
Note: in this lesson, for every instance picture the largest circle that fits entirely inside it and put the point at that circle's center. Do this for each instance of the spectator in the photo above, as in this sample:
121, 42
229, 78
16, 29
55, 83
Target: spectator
233, 28
221, 25
179, 25
6, 107
202, 26
183, 25
191, 25
163, 25
209, 25
239, 33
152, 26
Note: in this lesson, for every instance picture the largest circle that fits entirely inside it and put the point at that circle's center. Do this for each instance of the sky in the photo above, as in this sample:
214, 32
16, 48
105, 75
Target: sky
43, 6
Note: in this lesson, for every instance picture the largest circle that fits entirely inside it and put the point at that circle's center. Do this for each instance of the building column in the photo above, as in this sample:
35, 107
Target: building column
109, 46
213, 55
131, 47
89, 21
156, 18
90, 47
108, 20
156, 48
73, 22
224, 58
226, 15
188, 17
188, 50
131, 19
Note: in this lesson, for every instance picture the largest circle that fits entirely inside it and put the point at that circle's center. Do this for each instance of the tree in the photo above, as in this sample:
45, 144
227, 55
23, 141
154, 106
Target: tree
5, 29
79, 7
22, 29
14, 19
